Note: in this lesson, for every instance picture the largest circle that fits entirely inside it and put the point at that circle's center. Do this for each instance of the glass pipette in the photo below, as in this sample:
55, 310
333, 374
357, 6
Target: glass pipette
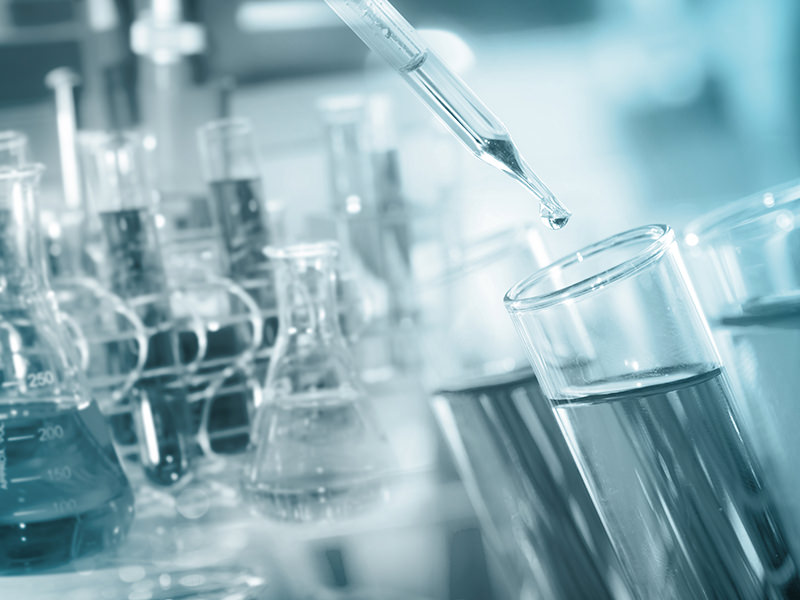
385, 31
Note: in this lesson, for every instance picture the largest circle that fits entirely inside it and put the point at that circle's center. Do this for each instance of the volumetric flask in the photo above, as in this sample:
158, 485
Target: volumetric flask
745, 261
318, 453
536, 514
134, 271
63, 493
625, 357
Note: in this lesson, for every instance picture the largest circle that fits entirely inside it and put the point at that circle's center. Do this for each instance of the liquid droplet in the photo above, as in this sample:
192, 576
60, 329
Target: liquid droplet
555, 220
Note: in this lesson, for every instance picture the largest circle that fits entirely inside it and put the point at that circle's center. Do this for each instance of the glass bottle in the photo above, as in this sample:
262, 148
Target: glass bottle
625, 357
134, 271
63, 493
318, 452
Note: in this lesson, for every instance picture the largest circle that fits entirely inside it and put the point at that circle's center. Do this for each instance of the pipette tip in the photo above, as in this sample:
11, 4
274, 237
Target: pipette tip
554, 217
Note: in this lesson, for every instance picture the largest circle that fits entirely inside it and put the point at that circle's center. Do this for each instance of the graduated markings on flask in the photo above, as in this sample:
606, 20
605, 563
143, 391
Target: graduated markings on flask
45, 434
3, 478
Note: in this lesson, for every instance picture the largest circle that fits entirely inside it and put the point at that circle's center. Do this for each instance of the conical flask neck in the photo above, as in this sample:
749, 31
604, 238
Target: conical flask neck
307, 301
22, 264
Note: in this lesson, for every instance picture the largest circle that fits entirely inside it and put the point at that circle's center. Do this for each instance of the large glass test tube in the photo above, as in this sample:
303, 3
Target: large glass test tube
624, 354
535, 512
745, 261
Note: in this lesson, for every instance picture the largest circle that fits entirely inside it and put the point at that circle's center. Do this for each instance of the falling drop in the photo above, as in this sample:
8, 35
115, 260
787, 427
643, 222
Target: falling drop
554, 219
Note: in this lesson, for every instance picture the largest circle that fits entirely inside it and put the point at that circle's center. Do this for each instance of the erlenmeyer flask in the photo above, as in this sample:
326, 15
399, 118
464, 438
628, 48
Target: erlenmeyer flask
318, 452
63, 493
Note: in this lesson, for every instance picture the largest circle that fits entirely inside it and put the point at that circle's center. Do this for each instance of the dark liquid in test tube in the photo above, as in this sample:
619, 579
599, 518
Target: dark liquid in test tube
520, 464
160, 420
239, 208
671, 474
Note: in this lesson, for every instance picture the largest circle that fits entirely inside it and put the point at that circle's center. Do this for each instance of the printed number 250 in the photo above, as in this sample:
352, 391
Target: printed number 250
41, 379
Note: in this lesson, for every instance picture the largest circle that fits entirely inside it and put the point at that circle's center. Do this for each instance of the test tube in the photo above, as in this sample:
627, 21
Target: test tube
646, 408
113, 164
743, 258
535, 511
231, 167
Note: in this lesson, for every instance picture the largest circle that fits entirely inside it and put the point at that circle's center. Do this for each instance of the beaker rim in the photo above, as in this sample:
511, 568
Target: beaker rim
303, 250
653, 242
742, 212
21, 172
12, 138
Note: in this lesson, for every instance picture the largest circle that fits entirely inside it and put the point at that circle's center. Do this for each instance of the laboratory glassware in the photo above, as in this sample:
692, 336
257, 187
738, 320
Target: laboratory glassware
534, 508
745, 263
63, 81
385, 31
231, 166
63, 493
13, 148
366, 278
134, 271
318, 453
623, 353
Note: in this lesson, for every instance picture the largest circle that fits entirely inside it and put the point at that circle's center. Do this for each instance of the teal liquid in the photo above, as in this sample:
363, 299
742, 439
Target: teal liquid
63, 494
761, 347
678, 490
160, 415
525, 486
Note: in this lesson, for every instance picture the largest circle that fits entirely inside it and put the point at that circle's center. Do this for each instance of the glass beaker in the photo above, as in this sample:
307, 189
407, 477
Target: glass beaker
623, 353
134, 271
63, 493
745, 261
534, 508
318, 452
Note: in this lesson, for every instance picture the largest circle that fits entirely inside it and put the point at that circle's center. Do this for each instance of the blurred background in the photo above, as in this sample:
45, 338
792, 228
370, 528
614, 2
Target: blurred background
632, 112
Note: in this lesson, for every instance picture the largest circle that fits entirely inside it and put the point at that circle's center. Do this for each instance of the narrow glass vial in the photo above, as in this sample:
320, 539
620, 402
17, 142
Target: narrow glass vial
134, 270
318, 452
63, 494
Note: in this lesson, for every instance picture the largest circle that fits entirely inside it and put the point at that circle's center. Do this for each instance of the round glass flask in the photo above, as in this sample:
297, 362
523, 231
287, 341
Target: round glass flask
63, 493
318, 453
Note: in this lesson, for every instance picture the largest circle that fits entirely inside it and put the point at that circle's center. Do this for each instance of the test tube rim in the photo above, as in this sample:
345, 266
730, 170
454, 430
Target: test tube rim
11, 139
238, 124
746, 211
303, 250
519, 299
89, 138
